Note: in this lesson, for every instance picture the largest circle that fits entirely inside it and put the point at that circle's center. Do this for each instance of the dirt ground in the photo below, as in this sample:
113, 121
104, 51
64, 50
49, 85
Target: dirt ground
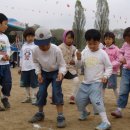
17, 117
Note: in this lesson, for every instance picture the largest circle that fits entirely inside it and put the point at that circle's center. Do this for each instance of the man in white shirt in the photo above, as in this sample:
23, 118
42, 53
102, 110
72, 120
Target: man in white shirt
97, 69
50, 68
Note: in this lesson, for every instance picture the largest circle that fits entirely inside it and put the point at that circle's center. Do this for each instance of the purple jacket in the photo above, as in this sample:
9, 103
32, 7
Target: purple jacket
113, 53
125, 53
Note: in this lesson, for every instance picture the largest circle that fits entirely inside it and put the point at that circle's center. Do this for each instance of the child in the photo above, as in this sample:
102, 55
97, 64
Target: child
125, 80
5, 74
28, 76
97, 69
50, 68
68, 51
113, 53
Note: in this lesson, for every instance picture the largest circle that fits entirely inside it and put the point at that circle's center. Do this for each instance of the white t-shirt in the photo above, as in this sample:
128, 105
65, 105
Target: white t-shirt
26, 58
96, 65
4, 48
50, 60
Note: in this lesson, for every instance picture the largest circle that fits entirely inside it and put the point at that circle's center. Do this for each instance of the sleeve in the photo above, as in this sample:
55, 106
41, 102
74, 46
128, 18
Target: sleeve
121, 52
61, 62
8, 48
108, 65
36, 63
116, 63
20, 56
79, 63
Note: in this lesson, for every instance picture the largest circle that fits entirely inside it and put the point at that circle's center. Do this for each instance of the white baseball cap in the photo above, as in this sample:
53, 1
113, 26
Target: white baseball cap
42, 36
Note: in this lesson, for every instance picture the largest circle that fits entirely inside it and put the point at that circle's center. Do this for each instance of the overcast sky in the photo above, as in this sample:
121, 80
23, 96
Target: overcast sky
60, 13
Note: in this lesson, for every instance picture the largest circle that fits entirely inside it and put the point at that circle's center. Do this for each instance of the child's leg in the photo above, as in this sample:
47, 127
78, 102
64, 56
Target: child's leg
116, 93
57, 99
123, 94
76, 85
97, 100
34, 86
6, 83
41, 99
75, 88
82, 100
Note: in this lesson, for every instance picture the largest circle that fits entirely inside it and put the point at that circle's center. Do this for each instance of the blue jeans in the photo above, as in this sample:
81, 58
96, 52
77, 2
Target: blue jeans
5, 79
57, 96
112, 82
124, 88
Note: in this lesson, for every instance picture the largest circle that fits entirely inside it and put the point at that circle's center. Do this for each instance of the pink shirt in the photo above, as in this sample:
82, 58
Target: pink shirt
113, 53
125, 53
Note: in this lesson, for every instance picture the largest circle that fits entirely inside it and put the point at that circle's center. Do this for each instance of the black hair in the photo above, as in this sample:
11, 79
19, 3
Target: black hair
92, 34
111, 35
28, 32
126, 32
71, 33
3, 18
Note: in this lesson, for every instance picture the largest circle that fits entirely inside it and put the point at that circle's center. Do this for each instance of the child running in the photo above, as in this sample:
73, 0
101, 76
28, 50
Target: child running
5, 73
28, 76
50, 68
69, 51
125, 79
113, 52
97, 69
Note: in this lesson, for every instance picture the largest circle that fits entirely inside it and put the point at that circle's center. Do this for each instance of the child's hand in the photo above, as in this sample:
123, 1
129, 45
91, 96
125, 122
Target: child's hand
72, 62
123, 61
5, 58
40, 78
19, 71
104, 80
78, 54
59, 77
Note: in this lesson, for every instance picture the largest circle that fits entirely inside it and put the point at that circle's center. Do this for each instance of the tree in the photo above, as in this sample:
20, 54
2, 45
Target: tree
102, 20
78, 25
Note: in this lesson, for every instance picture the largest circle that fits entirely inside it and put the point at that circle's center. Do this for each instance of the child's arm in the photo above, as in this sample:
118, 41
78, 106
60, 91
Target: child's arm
121, 54
36, 63
108, 66
61, 63
79, 59
116, 63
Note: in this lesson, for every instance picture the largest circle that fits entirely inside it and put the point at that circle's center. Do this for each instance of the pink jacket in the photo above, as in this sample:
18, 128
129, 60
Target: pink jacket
113, 53
125, 53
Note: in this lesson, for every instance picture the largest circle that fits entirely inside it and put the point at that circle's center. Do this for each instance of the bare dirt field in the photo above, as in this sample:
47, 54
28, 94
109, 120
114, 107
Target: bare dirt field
17, 117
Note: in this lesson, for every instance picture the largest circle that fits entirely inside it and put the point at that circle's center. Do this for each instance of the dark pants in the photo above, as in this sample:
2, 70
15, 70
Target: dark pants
57, 96
5, 79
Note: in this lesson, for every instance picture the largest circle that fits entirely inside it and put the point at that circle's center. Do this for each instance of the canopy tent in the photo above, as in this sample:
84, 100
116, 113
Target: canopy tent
15, 25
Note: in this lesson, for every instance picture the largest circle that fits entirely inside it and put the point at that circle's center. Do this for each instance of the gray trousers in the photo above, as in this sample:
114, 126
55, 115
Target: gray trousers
90, 93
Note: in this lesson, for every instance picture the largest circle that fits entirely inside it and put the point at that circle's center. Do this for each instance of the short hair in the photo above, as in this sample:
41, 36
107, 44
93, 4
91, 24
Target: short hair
111, 35
92, 34
3, 18
29, 31
126, 32
71, 34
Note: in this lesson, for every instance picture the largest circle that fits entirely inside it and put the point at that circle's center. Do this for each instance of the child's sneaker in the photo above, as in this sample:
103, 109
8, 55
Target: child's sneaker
61, 122
5, 102
72, 100
2, 109
103, 126
84, 115
34, 101
27, 100
117, 113
37, 117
